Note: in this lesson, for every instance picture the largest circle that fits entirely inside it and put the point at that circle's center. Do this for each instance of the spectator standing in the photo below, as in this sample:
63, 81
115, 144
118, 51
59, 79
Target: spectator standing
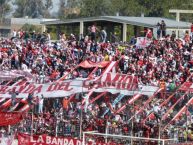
30, 98
163, 28
65, 105
93, 30
40, 104
48, 36
191, 32
149, 34
173, 36
158, 30
187, 37
14, 33
103, 35
13, 98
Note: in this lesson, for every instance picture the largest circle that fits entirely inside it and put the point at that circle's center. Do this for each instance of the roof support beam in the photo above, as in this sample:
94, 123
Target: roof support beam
180, 11
81, 27
124, 32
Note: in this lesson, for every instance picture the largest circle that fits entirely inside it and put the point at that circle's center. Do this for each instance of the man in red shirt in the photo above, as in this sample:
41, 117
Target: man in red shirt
93, 30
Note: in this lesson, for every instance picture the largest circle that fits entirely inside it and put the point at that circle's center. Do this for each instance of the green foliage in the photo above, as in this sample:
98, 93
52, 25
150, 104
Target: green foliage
151, 8
69, 9
32, 8
91, 8
31, 28
4, 8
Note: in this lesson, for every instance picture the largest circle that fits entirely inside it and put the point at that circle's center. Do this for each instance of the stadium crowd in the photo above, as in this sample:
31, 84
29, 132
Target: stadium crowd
167, 62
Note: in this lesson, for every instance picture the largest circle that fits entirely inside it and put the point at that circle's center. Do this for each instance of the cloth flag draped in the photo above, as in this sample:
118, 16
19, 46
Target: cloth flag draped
117, 100
142, 42
110, 82
90, 64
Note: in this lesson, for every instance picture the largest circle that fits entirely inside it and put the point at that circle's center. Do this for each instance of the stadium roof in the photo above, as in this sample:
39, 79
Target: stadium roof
30, 21
138, 21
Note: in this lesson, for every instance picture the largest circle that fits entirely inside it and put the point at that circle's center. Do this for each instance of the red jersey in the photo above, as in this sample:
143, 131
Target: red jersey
192, 28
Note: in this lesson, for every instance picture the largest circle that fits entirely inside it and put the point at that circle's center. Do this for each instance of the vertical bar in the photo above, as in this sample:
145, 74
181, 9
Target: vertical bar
159, 133
32, 122
106, 131
9, 129
56, 126
132, 127
124, 32
163, 142
80, 135
81, 31
177, 16
83, 140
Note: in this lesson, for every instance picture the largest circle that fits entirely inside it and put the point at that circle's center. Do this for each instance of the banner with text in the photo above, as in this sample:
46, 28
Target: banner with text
25, 139
110, 82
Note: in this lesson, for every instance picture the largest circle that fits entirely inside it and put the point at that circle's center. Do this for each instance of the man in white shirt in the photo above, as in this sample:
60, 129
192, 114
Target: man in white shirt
40, 102
14, 33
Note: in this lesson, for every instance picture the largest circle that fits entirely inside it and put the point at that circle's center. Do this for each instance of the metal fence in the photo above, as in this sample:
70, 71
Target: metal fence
123, 140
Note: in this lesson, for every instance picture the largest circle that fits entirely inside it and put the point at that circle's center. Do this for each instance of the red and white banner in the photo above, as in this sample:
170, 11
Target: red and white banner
25, 139
110, 82
9, 75
187, 86
8, 140
10, 118
142, 42
90, 64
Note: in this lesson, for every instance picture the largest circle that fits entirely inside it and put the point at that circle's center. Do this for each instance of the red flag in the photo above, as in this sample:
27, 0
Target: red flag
10, 118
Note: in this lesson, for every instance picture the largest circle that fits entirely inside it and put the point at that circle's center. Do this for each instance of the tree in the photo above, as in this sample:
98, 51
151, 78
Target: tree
32, 8
48, 4
69, 9
31, 28
4, 8
96, 8
127, 7
150, 8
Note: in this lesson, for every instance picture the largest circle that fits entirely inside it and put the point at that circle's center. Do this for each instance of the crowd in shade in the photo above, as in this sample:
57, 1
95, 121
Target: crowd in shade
167, 63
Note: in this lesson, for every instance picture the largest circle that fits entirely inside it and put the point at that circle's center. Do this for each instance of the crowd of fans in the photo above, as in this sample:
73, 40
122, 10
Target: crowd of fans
166, 62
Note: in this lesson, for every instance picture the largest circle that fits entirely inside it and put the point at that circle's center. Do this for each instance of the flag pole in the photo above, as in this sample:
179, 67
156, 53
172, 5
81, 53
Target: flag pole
56, 126
32, 122
80, 133
106, 131
80, 124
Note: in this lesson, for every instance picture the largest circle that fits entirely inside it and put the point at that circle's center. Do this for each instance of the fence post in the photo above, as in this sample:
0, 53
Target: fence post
106, 131
163, 142
56, 134
83, 140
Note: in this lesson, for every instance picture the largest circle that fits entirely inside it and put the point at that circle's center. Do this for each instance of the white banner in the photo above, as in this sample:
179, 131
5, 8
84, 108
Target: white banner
6, 140
142, 42
114, 83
